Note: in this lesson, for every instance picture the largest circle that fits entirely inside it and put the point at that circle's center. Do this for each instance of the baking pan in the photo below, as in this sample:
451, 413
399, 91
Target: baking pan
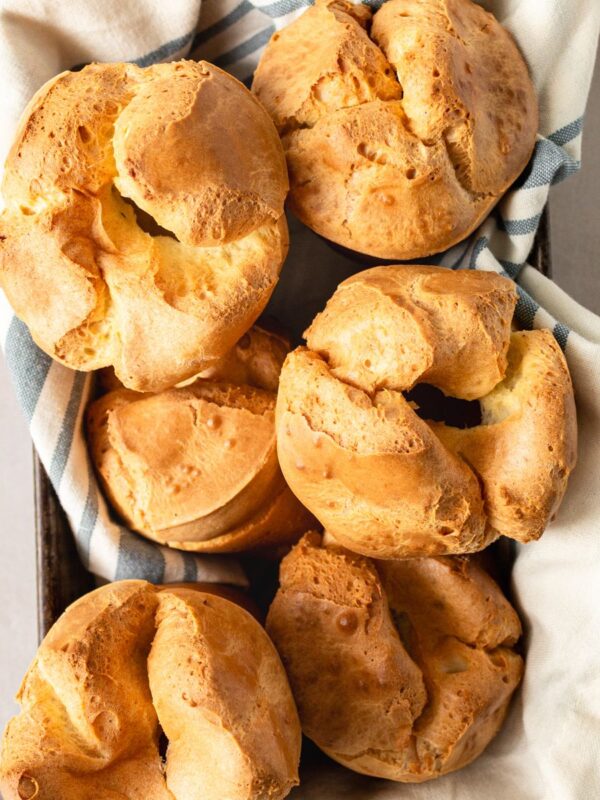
61, 577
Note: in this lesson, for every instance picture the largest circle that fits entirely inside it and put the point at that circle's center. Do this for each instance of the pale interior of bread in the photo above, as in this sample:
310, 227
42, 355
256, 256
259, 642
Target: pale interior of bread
182, 272
506, 399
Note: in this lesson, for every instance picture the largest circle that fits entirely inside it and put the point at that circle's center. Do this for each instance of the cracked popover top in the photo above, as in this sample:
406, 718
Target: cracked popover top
379, 475
144, 223
402, 128
400, 669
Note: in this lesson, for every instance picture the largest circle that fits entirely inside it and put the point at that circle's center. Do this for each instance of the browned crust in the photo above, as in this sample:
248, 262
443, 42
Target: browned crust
94, 288
125, 658
196, 467
383, 481
400, 669
527, 448
403, 128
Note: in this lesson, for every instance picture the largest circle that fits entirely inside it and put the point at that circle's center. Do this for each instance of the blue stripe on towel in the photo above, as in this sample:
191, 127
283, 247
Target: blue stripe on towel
27, 364
65, 437
511, 269
463, 252
549, 164
561, 334
190, 569
567, 133
283, 7
526, 309
89, 516
164, 51
139, 557
245, 48
221, 25
567, 169
520, 227
478, 248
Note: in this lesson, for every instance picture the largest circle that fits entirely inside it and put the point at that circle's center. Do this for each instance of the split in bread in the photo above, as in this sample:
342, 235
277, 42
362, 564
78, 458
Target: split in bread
389, 484
402, 128
400, 669
128, 660
144, 223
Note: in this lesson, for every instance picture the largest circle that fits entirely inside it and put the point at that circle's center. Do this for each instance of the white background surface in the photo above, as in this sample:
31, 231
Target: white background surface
575, 225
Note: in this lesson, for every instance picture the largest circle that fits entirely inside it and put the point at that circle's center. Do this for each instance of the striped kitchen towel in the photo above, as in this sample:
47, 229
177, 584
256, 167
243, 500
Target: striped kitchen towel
556, 580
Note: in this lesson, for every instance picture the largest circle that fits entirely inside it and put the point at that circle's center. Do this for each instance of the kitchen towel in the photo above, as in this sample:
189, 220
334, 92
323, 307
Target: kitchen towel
550, 747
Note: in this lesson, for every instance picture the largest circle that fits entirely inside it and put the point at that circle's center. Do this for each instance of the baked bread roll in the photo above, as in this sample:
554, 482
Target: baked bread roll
127, 658
389, 484
400, 669
402, 128
195, 467
103, 155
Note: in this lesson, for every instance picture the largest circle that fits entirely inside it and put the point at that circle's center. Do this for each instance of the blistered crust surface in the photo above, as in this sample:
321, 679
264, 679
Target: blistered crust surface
389, 484
401, 128
162, 292
401, 669
123, 660
195, 467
